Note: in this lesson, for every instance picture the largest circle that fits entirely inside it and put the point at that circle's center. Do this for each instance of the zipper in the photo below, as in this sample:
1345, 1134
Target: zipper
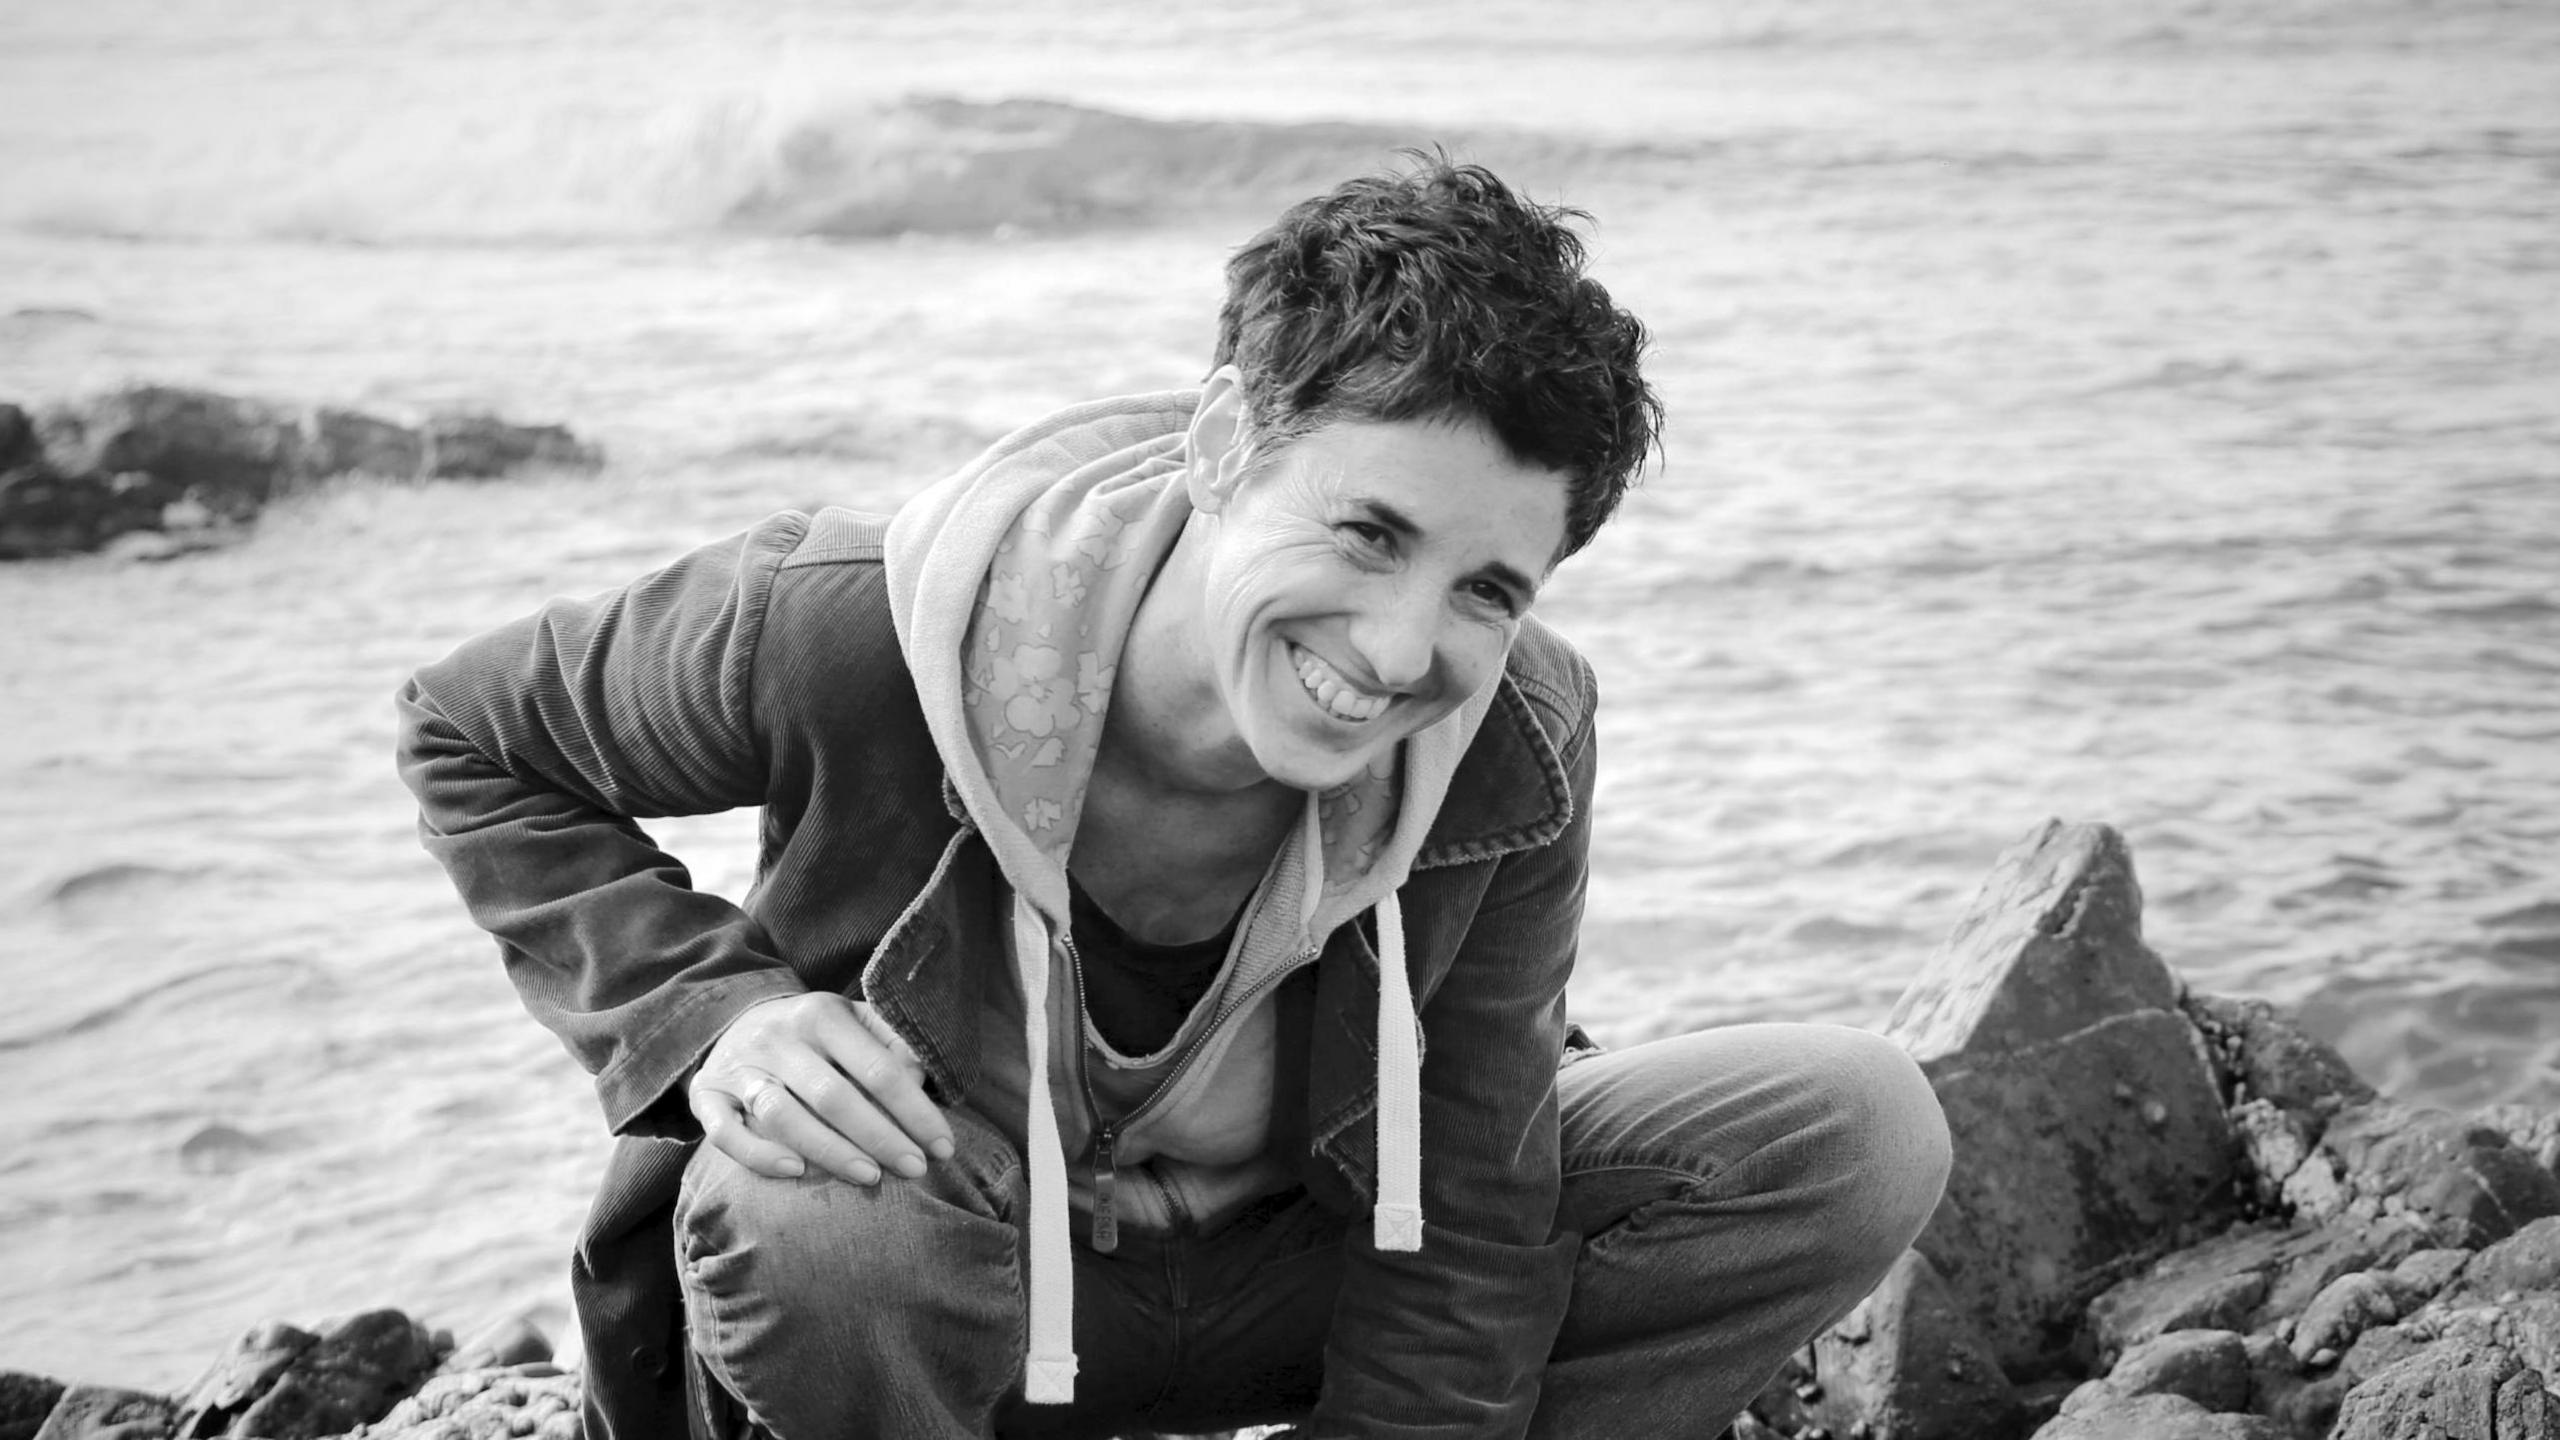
1106, 1134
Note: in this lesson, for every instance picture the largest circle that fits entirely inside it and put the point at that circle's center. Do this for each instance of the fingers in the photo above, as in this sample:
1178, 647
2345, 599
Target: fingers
807, 1080
874, 1059
724, 1124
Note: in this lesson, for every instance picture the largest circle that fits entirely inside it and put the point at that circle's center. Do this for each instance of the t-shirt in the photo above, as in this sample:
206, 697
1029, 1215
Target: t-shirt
1139, 994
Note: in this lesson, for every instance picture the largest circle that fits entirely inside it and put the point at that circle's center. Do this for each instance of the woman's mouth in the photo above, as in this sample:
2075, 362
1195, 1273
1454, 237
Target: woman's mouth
1337, 696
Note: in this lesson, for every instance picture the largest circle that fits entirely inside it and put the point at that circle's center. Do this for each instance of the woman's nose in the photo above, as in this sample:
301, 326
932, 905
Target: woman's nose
1399, 635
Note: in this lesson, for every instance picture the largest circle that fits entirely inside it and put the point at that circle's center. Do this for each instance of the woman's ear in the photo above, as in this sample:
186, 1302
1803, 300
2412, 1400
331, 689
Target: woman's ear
1219, 445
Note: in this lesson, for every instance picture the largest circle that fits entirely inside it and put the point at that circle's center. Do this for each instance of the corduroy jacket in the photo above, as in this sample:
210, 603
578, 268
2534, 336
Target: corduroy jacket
764, 671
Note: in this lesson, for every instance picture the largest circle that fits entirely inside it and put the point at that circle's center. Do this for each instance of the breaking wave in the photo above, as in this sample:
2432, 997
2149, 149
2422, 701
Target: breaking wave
836, 168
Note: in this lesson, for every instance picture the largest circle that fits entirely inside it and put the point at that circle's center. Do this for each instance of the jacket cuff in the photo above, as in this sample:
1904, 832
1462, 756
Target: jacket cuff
643, 1094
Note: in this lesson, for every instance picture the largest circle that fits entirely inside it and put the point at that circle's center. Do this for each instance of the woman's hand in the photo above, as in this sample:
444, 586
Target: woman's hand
813, 1079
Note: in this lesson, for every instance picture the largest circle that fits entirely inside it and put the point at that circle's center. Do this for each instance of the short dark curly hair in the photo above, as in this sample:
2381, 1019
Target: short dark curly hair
1439, 293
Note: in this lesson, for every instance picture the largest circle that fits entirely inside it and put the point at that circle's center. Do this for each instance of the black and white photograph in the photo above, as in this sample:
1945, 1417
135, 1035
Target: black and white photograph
760, 720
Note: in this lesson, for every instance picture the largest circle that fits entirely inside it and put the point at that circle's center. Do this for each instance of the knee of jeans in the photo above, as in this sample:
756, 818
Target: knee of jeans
1890, 1141
817, 1240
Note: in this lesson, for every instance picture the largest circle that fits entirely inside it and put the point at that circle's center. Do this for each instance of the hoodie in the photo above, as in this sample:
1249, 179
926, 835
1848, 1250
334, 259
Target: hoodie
1013, 586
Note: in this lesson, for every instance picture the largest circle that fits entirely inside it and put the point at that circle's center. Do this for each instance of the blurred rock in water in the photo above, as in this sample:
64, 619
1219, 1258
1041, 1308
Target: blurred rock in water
187, 464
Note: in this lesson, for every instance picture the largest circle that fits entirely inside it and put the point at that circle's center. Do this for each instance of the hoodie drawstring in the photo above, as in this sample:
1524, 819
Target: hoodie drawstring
1397, 1216
1049, 1370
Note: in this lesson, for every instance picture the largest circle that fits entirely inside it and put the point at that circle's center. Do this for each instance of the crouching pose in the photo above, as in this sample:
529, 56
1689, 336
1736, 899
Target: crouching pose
1149, 1014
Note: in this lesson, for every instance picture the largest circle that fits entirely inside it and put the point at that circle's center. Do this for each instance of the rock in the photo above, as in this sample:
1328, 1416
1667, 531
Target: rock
242, 1375
345, 442
2458, 1391
2536, 1132
2155, 1417
2419, 1277
2277, 1060
2050, 946
2302, 1406
463, 446
2314, 1193
162, 458
2209, 1367
2344, 1309
103, 1412
19, 447
2530, 1326
1909, 1365
2243, 1279
24, 1399
232, 453
44, 513
2274, 1142
2467, 1181
2180, 1298
495, 1403
514, 1340
2377, 1350
281, 1383
2529, 1259
2088, 1126
2311, 1259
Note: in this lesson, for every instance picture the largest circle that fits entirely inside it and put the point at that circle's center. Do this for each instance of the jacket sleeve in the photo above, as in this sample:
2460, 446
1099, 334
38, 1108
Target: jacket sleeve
1450, 1341
536, 748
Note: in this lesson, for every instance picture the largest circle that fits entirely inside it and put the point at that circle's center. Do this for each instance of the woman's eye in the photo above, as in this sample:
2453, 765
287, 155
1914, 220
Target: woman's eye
1495, 597
1369, 536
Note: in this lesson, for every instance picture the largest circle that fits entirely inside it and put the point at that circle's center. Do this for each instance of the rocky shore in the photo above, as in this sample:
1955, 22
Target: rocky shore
156, 471
2172, 1217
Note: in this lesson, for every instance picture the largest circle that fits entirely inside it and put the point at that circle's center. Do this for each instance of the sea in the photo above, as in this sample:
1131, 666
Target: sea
2143, 412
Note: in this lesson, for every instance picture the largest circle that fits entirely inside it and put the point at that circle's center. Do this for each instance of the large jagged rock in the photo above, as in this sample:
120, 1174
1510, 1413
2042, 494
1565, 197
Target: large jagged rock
2088, 1121
282, 1383
25, 1400
1909, 1365
2452, 1391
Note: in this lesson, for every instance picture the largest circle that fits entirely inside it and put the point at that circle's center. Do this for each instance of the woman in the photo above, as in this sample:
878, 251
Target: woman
1150, 1008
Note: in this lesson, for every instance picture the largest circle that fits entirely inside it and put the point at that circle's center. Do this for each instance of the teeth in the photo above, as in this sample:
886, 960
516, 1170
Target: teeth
1335, 694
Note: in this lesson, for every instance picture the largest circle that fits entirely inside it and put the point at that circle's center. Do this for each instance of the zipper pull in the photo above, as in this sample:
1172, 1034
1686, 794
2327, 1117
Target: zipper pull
1106, 1184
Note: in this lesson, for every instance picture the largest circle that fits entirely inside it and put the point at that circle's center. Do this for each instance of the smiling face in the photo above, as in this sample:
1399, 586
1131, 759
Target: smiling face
1359, 584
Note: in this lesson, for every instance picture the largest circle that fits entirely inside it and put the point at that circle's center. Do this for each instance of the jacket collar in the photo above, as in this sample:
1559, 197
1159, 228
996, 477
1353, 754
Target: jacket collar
1510, 793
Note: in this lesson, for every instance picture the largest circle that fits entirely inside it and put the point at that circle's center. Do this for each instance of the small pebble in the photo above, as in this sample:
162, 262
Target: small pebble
2324, 1357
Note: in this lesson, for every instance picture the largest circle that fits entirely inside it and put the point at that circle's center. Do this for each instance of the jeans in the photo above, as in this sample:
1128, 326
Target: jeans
1736, 1191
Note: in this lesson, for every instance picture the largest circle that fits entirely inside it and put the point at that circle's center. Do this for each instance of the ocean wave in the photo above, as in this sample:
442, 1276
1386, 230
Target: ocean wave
831, 167
258, 975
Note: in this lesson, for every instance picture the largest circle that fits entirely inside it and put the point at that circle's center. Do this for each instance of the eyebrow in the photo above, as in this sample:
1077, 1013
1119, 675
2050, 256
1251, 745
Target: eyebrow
1402, 524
